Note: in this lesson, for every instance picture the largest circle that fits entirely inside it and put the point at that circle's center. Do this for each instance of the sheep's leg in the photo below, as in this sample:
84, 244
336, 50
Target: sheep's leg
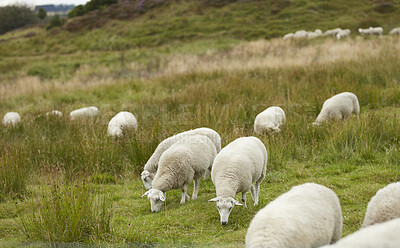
196, 187
257, 192
253, 192
244, 199
185, 196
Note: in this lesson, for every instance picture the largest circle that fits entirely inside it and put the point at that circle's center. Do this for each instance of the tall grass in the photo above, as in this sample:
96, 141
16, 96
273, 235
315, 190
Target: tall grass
12, 176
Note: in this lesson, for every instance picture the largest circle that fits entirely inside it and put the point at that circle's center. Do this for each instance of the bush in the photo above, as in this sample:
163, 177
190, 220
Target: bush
13, 17
89, 6
55, 21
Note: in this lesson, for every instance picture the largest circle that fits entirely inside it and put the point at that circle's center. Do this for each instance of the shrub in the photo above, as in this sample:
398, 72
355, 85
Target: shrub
13, 17
55, 21
41, 14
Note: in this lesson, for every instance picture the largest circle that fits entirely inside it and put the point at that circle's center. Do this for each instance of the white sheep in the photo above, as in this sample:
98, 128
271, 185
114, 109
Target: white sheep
240, 164
151, 166
384, 206
119, 122
395, 31
54, 113
87, 112
300, 34
288, 36
343, 34
186, 160
11, 119
269, 120
307, 216
382, 235
315, 34
332, 32
371, 31
338, 107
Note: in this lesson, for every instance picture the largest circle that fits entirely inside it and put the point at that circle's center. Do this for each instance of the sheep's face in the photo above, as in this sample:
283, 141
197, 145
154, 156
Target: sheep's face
225, 206
146, 179
156, 197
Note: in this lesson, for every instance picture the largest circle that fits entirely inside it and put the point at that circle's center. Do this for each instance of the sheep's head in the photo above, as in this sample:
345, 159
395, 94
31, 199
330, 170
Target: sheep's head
225, 206
146, 179
156, 197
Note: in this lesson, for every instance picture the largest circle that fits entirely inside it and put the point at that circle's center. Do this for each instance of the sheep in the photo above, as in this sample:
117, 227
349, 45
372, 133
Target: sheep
269, 120
371, 31
395, 31
84, 113
151, 166
11, 119
288, 36
382, 235
315, 34
54, 113
332, 32
343, 34
119, 122
340, 106
300, 34
187, 159
235, 169
384, 206
309, 215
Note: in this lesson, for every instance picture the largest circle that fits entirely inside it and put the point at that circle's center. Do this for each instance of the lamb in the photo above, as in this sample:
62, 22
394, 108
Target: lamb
151, 166
54, 113
382, 235
384, 206
343, 34
84, 113
371, 31
186, 160
121, 121
309, 215
332, 32
11, 119
288, 36
340, 106
269, 120
235, 169
395, 31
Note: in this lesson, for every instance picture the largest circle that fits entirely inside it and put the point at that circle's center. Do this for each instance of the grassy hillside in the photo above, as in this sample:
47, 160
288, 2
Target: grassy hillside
55, 172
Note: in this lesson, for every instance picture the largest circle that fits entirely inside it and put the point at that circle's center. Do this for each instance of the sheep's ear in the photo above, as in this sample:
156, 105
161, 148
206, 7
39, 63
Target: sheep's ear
237, 203
214, 199
162, 196
146, 193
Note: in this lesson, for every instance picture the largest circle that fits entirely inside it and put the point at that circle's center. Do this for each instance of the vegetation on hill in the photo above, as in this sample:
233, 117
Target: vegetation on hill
13, 17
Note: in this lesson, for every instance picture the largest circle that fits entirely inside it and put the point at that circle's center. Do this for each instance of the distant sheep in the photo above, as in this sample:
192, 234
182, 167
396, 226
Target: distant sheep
307, 216
119, 122
54, 113
395, 31
151, 166
300, 34
371, 31
11, 119
332, 32
186, 160
338, 107
382, 235
240, 164
87, 112
288, 36
384, 206
343, 34
269, 120
315, 34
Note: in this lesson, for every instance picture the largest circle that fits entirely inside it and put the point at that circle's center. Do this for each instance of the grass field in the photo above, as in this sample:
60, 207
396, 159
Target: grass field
55, 173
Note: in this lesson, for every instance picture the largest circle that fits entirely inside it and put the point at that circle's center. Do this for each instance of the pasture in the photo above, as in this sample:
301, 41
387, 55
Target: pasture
54, 172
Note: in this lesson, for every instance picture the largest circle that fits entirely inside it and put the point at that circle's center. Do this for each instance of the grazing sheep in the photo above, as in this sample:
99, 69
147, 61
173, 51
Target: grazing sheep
186, 160
371, 31
288, 36
300, 34
151, 166
54, 113
384, 206
235, 169
382, 235
307, 216
395, 31
315, 34
11, 119
86, 112
269, 120
119, 122
343, 33
332, 32
338, 107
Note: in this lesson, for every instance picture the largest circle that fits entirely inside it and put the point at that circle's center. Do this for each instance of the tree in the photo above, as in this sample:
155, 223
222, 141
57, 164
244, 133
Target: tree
13, 17
55, 21
42, 14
